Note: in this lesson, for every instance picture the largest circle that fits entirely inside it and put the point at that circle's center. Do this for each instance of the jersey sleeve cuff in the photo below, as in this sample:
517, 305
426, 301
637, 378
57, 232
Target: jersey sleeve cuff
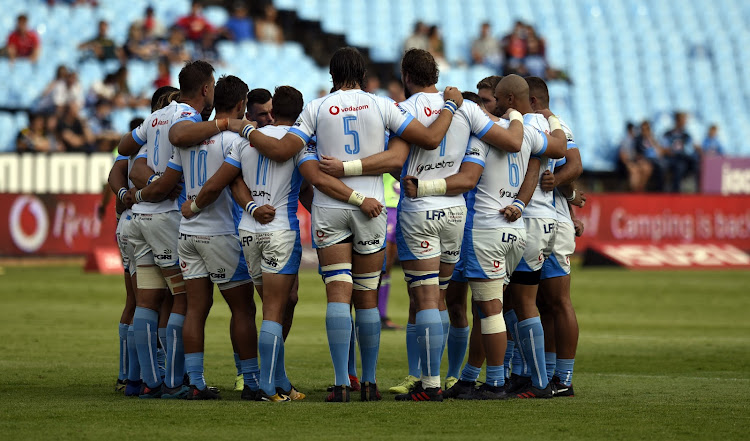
141, 156
560, 162
544, 146
307, 158
121, 158
401, 129
300, 134
484, 130
233, 162
474, 160
174, 166
193, 118
136, 138
572, 145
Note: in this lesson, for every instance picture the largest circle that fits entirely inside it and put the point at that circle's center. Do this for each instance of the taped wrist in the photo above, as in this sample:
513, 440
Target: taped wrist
194, 207
515, 115
337, 272
366, 281
519, 204
121, 193
433, 187
246, 131
451, 106
138, 196
554, 123
356, 198
152, 178
572, 197
250, 207
353, 168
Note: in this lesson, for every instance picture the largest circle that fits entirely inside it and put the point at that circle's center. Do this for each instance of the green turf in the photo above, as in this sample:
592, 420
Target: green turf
662, 355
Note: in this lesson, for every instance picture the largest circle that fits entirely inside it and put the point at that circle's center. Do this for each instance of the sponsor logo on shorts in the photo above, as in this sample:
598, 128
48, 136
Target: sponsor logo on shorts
320, 234
424, 244
548, 228
183, 265
434, 215
436, 166
246, 240
498, 266
369, 242
271, 262
452, 253
165, 256
507, 237
220, 273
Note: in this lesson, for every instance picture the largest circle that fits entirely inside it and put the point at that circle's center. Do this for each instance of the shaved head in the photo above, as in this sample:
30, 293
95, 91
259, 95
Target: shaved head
512, 91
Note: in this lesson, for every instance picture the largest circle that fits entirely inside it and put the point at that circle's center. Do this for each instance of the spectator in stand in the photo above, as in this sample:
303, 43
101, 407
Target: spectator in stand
418, 39
35, 137
637, 167
73, 132
711, 145
46, 104
486, 49
164, 77
23, 42
239, 27
152, 28
206, 50
102, 47
138, 46
69, 92
437, 48
105, 89
174, 48
681, 153
647, 147
514, 47
534, 63
267, 28
105, 136
396, 91
194, 24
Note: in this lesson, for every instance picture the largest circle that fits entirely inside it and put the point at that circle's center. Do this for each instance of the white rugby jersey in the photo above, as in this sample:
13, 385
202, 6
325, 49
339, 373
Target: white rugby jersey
501, 179
445, 160
270, 182
153, 137
351, 124
197, 164
542, 203
561, 204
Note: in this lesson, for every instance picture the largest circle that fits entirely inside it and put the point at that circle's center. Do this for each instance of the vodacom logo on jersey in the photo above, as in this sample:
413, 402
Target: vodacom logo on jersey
334, 110
429, 112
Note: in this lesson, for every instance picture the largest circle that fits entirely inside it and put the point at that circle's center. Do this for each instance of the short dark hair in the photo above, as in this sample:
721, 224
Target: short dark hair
157, 96
538, 89
347, 68
489, 83
421, 67
471, 96
258, 96
194, 75
135, 122
22, 17
287, 103
230, 90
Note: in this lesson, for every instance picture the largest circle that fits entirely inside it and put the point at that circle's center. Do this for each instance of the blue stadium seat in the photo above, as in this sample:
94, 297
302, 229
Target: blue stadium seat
8, 132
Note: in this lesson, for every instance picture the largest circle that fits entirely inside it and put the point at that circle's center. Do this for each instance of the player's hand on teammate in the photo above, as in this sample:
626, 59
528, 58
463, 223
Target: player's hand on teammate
371, 207
129, 198
546, 113
187, 213
548, 181
264, 214
409, 186
580, 199
511, 213
506, 115
331, 166
451, 93
578, 224
175, 193
236, 125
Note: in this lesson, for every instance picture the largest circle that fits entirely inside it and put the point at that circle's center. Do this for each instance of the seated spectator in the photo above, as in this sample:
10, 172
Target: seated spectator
647, 147
711, 145
436, 47
534, 63
206, 50
105, 89
194, 24
138, 46
239, 27
23, 42
164, 77
681, 154
102, 47
486, 49
638, 168
418, 38
100, 124
152, 28
45, 103
267, 28
68, 92
174, 48
73, 132
35, 137
514, 47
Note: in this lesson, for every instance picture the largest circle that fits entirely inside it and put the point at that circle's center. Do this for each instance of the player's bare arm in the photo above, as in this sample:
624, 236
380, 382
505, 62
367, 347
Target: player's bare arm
429, 138
241, 194
566, 173
140, 173
279, 150
159, 189
128, 146
306, 195
189, 133
507, 140
118, 182
336, 189
388, 161
466, 179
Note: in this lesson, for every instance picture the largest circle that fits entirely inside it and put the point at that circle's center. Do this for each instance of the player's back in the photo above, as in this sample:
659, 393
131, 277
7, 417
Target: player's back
542, 203
153, 135
198, 163
445, 160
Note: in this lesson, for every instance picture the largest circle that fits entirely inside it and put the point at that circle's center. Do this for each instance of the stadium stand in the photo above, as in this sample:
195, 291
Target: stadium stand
629, 60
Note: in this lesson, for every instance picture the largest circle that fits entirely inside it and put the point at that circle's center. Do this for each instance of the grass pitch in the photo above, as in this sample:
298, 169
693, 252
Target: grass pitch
662, 355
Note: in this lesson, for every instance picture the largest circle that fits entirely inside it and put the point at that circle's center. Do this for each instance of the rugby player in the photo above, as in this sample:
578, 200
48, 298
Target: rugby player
209, 247
486, 91
259, 107
350, 123
555, 307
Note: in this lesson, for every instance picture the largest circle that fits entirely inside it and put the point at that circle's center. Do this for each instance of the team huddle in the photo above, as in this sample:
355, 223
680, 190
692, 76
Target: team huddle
485, 183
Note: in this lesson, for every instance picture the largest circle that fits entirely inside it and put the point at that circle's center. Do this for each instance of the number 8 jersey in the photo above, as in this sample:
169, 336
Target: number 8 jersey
351, 124
153, 137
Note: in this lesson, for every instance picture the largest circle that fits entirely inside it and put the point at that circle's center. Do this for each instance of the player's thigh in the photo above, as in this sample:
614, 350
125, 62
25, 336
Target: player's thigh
281, 252
223, 257
161, 231
192, 264
452, 234
558, 263
538, 237
487, 252
330, 226
368, 233
141, 249
418, 235
252, 252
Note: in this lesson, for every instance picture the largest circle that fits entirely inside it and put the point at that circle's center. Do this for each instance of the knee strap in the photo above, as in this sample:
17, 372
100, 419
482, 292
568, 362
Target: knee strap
493, 324
486, 291
337, 272
444, 281
421, 278
149, 277
175, 283
366, 281
526, 277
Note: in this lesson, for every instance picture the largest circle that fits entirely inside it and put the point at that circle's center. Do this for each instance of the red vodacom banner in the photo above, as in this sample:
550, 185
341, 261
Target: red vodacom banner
53, 224
665, 219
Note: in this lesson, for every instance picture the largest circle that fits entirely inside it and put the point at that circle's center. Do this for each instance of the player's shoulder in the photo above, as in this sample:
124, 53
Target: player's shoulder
276, 131
477, 147
568, 131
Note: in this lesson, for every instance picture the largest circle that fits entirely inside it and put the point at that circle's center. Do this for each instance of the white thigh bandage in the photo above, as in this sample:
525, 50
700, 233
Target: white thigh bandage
493, 324
486, 291
366, 281
149, 277
175, 282
421, 278
229, 285
444, 282
338, 272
